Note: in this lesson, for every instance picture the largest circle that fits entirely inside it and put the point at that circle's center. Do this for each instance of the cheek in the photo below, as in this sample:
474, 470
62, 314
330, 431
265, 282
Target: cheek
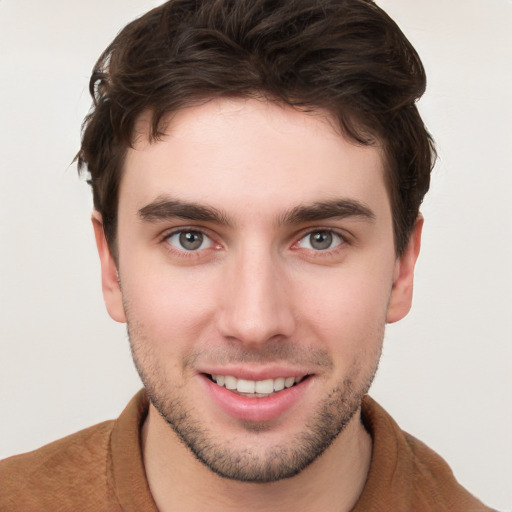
170, 308
348, 310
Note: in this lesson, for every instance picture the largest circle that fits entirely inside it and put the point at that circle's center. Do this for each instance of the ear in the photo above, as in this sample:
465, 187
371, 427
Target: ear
109, 277
401, 294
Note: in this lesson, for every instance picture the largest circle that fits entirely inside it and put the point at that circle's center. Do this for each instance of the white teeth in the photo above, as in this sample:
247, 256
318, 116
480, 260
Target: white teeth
279, 384
229, 382
289, 382
245, 386
264, 386
259, 387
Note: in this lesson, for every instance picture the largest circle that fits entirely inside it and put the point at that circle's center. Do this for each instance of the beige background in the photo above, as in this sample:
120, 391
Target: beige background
446, 374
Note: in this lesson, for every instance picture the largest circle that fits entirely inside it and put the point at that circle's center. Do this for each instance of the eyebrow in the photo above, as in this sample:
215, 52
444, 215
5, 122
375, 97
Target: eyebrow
334, 209
165, 208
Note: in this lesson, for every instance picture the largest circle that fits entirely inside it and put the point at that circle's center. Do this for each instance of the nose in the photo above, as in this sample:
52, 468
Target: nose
256, 303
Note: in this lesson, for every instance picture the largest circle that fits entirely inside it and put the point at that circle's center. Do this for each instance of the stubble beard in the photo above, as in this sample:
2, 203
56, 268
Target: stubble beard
243, 464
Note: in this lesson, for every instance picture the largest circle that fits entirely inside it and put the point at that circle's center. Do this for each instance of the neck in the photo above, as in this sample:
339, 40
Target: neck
178, 481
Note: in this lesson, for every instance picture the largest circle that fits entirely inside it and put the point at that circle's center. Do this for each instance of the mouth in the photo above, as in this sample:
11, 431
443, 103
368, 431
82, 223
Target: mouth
266, 397
255, 388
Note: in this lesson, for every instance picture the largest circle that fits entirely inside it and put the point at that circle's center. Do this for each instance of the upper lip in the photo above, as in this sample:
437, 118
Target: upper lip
255, 374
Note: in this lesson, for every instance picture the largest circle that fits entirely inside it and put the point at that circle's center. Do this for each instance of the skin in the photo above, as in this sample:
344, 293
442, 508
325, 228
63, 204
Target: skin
256, 298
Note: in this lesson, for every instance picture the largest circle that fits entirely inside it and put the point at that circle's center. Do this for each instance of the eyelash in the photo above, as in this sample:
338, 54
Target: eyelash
344, 240
184, 253
333, 234
325, 255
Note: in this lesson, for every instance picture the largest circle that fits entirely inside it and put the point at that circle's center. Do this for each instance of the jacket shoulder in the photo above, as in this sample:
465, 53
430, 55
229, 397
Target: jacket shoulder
434, 477
69, 474
405, 474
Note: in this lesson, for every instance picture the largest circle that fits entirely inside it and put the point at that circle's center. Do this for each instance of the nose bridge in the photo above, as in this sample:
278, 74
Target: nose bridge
255, 303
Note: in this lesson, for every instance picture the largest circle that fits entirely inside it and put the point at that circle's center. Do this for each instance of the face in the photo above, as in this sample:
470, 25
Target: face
256, 274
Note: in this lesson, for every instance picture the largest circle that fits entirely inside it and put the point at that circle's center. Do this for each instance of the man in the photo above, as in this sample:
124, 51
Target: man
257, 171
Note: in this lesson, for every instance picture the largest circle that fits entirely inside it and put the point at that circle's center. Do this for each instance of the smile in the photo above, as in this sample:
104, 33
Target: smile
255, 388
258, 399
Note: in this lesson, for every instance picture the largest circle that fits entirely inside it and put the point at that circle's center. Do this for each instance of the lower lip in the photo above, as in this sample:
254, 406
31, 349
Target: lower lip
256, 409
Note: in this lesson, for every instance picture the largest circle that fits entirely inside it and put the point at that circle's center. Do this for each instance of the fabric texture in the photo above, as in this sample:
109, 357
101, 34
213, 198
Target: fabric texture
100, 469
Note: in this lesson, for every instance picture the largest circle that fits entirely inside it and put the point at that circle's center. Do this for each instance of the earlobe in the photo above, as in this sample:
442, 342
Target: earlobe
109, 277
401, 294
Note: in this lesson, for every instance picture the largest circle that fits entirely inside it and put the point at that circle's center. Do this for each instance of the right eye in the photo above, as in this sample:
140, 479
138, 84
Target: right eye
321, 240
189, 240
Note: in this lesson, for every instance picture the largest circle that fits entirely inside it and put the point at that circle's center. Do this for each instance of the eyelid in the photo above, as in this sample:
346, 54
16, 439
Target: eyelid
205, 240
180, 229
214, 243
344, 236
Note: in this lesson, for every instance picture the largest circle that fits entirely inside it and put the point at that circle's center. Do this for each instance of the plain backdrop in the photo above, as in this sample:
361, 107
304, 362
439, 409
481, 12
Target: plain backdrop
446, 372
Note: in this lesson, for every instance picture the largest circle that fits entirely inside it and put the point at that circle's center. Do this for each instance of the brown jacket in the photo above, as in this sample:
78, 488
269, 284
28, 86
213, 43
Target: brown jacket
100, 469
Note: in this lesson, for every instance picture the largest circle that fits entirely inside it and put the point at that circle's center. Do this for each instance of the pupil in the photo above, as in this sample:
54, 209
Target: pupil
321, 240
191, 240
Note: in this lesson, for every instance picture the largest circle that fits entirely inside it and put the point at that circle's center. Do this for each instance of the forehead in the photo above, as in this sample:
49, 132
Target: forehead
240, 152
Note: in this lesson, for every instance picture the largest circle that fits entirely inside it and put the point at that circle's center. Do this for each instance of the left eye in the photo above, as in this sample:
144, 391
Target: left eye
189, 240
321, 240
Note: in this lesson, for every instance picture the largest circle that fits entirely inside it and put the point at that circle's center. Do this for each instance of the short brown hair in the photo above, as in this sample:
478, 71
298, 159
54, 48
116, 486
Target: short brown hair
345, 56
